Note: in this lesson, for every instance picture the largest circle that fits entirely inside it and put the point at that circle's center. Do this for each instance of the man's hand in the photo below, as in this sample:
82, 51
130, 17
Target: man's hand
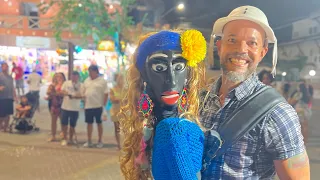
296, 167
2, 88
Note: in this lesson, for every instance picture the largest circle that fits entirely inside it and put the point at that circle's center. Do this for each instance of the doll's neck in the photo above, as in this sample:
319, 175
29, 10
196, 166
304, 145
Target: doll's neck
163, 112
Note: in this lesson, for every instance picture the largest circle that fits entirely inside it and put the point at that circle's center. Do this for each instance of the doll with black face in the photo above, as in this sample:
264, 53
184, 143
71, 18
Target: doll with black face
165, 73
168, 64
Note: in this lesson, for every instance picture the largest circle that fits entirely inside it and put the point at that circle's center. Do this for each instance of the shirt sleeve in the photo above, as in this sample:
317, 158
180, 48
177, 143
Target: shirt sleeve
282, 133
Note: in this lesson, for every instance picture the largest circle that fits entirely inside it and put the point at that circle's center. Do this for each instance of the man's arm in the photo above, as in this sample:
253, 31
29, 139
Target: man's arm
296, 167
106, 93
105, 98
284, 142
15, 98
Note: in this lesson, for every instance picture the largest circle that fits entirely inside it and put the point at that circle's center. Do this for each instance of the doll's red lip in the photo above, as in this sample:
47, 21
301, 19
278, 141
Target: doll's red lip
168, 93
170, 97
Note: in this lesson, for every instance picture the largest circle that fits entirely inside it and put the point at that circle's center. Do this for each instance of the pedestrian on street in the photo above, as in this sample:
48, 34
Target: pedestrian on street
95, 95
34, 82
116, 96
7, 96
18, 76
275, 144
70, 107
55, 95
266, 77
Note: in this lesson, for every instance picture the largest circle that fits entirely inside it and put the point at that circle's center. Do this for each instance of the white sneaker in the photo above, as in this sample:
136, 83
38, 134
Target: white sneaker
87, 145
100, 145
64, 143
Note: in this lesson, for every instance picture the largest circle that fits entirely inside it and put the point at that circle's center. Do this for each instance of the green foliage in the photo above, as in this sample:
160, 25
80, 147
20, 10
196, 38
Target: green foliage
88, 18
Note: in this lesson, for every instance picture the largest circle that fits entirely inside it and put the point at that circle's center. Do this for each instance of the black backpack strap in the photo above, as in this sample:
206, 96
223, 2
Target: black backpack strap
251, 111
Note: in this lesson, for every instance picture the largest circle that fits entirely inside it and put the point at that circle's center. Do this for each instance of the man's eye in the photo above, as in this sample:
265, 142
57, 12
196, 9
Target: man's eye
231, 40
159, 67
253, 43
179, 66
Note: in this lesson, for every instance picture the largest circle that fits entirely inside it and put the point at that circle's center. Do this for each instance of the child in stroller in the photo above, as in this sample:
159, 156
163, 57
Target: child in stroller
22, 121
23, 109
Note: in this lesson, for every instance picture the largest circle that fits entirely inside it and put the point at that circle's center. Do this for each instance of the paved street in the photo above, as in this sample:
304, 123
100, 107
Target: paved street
31, 157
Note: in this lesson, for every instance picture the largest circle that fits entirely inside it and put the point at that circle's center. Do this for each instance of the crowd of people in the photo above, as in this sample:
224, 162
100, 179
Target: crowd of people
64, 99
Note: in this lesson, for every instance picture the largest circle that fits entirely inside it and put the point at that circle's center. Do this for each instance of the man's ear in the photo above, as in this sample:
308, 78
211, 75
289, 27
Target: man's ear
264, 52
218, 43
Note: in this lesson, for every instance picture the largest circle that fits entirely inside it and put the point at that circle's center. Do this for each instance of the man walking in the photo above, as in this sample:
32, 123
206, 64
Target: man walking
96, 95
273, 146
7, 96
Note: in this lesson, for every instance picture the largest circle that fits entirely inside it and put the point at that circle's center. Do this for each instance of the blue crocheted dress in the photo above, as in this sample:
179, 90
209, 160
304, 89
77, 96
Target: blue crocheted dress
177, 150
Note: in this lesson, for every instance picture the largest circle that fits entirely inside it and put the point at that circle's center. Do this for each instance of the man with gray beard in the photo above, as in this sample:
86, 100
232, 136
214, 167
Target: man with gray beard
274, 145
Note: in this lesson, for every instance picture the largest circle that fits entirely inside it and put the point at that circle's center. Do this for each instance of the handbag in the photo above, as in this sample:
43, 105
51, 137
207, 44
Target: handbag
259, 104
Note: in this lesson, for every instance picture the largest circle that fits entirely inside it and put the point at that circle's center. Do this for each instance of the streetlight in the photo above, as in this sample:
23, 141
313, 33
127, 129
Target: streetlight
312, 72
179, 7
284, 73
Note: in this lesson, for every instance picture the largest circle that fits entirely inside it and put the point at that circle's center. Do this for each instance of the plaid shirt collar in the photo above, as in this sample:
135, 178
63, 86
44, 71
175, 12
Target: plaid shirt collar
240, 92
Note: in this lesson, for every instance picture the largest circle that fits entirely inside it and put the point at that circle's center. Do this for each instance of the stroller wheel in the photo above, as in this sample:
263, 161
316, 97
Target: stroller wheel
36, 129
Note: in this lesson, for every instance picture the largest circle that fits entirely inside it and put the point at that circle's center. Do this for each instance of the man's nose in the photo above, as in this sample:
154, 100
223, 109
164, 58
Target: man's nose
243, 47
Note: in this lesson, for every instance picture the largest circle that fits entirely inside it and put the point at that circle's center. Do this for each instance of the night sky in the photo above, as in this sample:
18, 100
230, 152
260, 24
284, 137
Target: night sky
203, 13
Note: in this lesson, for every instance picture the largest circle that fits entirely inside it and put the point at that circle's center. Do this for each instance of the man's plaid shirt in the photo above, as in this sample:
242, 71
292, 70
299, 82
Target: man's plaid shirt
277, 137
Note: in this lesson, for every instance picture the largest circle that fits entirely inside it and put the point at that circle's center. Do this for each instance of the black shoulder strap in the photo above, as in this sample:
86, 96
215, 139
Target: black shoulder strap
251, 111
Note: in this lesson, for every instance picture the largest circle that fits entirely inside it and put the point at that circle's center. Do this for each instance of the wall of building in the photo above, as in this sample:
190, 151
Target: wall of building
305, 42
305, 28
11, 7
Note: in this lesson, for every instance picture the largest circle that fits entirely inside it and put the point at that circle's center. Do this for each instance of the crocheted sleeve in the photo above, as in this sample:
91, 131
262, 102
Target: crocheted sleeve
177, 151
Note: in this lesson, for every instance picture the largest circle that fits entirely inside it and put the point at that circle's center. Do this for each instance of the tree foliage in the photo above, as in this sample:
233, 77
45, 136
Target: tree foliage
88, 18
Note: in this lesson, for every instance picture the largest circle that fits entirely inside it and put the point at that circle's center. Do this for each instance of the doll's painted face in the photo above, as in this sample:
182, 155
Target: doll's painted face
165, 73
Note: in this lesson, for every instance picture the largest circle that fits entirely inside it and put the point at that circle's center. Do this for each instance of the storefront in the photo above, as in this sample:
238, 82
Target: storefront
47, 62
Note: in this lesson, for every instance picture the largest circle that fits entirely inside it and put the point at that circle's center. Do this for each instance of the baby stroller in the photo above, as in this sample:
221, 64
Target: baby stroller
27, 123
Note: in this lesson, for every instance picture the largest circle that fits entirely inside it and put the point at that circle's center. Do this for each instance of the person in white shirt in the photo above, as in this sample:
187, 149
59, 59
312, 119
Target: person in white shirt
95, 95
34, 81
72, 90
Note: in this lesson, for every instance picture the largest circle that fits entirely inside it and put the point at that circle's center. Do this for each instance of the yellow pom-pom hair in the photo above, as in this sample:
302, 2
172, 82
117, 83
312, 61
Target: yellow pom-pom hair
194, 47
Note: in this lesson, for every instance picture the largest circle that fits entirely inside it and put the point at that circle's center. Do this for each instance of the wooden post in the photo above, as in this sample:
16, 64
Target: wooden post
70, 59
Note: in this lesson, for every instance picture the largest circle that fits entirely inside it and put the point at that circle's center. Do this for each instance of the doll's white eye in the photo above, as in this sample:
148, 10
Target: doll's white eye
159, 67
179, 66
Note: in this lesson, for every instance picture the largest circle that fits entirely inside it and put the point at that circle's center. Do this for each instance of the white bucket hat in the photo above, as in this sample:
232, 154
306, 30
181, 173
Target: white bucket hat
255, 15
